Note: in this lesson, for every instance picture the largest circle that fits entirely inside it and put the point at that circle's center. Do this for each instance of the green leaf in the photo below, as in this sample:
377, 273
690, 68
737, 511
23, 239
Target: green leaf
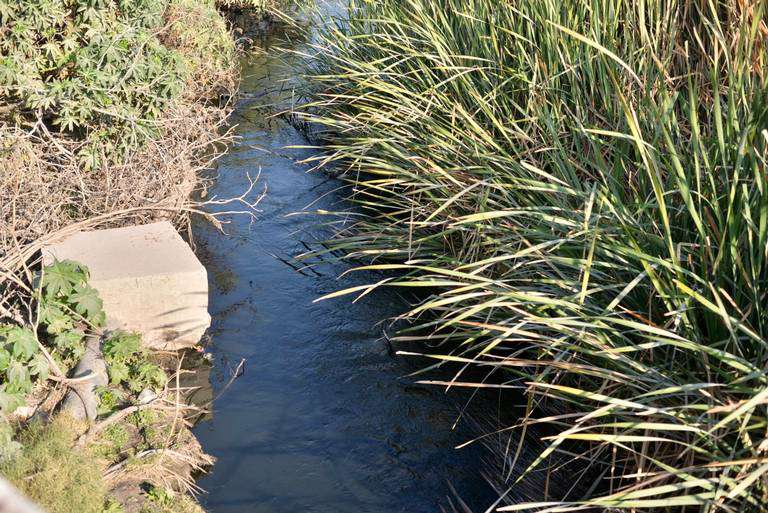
62, 276
69, 340
23, 341
109, 399
39, 367
100, 319
5, 359
118, 372
18, 377
10, 401
122, 346
87, 302
53, 317
151, 375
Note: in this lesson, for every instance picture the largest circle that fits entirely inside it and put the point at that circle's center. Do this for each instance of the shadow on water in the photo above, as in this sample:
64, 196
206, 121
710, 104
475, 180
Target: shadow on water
319, 421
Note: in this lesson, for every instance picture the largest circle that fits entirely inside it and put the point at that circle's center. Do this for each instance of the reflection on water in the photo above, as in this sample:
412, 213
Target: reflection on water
319, 421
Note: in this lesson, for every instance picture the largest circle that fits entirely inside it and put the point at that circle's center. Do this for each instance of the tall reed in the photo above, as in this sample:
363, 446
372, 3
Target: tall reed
580, 188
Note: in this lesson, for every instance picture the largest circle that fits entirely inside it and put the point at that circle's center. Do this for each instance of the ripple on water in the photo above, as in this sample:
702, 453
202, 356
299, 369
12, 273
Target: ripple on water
319, 421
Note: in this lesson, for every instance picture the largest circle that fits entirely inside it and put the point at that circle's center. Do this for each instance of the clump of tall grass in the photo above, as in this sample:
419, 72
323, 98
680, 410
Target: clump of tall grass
47, 471
580, 187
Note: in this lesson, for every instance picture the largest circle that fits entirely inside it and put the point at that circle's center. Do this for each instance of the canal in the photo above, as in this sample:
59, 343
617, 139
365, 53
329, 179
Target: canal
323, 418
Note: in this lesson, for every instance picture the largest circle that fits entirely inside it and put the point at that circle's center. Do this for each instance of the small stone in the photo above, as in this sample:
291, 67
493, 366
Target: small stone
146, 396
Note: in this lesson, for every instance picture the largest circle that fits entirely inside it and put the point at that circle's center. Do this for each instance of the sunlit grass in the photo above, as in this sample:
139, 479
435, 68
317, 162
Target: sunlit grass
47, 471
579, 187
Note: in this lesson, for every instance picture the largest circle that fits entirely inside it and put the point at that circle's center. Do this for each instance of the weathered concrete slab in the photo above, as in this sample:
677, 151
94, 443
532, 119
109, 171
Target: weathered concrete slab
149, 279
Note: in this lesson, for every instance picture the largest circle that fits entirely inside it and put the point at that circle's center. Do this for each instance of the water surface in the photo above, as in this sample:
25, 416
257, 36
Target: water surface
320, 421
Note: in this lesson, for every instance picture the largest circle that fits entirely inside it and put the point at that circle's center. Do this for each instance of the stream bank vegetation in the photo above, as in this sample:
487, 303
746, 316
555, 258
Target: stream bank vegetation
138, 439
109, 111
580, 189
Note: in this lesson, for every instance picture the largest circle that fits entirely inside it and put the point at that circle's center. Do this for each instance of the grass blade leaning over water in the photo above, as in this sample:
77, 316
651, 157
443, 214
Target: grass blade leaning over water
580, 186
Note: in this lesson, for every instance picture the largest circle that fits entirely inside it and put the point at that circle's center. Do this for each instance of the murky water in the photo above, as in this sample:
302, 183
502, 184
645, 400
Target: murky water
319, 421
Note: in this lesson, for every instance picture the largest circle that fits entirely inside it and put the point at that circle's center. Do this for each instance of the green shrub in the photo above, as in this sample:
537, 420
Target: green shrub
104, 71
198, 33
20, 361
68, 307
581, 189
92, 68
128, 363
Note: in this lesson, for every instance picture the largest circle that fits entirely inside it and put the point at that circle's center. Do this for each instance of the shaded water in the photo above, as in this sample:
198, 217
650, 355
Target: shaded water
320, 420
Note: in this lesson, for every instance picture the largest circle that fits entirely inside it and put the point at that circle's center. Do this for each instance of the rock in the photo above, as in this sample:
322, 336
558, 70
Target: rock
146, 396
81, 401
149, 279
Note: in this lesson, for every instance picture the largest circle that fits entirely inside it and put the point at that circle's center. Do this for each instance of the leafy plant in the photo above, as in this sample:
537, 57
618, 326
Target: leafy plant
110, 398
165, 500
113, 441
67, 297
161, 495
128, 363
20, 360
95, 69
112, 506
68, 306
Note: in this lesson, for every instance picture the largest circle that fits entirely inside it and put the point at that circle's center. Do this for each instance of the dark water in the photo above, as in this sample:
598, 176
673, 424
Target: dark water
321, 420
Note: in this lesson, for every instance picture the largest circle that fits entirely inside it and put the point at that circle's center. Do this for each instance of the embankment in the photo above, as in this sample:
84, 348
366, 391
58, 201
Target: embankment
108, 114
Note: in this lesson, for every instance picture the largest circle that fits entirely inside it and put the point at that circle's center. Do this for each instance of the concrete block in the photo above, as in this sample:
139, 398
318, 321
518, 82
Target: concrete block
149, 279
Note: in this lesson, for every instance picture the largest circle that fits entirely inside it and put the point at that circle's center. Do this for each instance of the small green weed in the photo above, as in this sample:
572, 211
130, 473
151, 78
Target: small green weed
112, 441
128, 363
110, 398
165, 500
161, 496
112, 506
20, 361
